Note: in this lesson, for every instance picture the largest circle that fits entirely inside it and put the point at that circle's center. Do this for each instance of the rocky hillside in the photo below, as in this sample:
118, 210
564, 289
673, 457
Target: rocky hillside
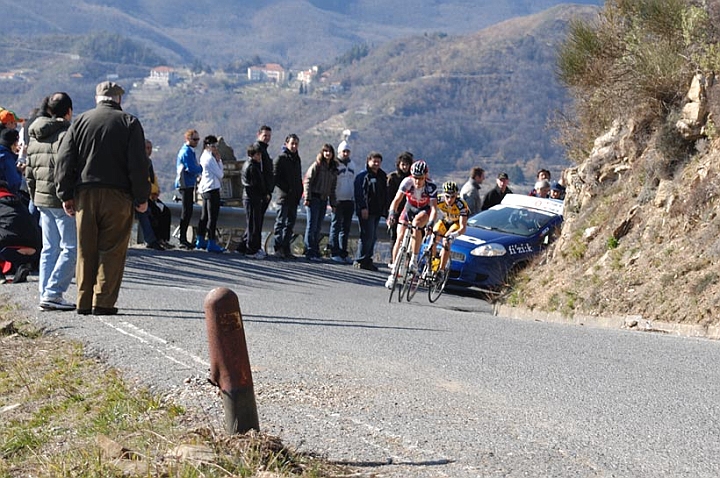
641, 234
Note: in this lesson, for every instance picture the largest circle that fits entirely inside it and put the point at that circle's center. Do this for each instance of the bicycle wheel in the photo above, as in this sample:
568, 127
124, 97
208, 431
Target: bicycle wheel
400, 266
405, 273
423, 270
437, 285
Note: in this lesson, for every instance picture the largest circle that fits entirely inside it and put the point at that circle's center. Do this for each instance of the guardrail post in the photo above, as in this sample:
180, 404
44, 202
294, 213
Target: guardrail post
229, 362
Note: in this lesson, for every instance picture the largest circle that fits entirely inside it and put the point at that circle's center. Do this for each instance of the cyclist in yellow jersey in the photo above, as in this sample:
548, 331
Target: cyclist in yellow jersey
453, 222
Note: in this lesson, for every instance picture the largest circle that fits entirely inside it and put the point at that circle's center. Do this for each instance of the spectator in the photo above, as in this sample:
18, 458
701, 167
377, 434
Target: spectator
370, 206
470, 192
264, 135
209, 187
254, 195
402, 171
319, 189
557, 191
19, 236
542, 175
160, 215
187, 169
541, 189
58, 257
101, 175
145, 219
8, 159
9, 119
341, 220
288, 180
496, 194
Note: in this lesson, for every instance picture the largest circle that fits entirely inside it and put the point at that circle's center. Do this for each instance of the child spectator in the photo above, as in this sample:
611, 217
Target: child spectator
254, 189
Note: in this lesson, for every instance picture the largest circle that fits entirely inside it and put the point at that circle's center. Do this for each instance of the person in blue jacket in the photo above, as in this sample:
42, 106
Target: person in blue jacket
188, 171
8, 159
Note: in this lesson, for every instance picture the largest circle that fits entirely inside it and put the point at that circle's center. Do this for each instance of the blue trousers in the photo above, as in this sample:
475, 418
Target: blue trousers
340, 228
284, 224
315, 215
368, 237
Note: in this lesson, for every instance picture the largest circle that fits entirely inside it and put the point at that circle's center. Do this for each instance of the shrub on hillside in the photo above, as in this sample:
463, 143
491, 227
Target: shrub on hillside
637, 58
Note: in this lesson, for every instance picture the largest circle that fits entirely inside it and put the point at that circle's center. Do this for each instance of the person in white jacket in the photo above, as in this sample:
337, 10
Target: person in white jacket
209, 187
345, 206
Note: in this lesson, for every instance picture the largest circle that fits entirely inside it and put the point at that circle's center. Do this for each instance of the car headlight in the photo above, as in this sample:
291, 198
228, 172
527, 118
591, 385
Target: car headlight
489, 250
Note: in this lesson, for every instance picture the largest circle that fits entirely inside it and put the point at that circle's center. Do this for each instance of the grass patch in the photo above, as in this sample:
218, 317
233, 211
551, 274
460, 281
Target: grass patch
64, 414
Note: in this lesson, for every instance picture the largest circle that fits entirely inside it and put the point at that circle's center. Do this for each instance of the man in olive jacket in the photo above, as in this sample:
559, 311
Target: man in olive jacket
101, 176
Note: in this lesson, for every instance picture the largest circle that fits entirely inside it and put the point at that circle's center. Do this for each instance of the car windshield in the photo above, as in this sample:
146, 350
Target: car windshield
511, 220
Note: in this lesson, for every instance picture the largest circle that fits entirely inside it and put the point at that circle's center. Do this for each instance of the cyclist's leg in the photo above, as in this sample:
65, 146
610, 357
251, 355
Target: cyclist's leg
420, 221
445, 252
440, 230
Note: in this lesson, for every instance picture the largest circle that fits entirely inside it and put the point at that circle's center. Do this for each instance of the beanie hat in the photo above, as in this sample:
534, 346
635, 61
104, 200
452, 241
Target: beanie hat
343, 146
8, 137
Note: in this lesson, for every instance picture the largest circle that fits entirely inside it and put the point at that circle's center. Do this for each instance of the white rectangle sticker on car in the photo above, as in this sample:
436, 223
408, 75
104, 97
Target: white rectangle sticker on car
457, 256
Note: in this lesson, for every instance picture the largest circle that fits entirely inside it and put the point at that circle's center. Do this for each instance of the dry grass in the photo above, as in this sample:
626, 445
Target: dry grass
63, 414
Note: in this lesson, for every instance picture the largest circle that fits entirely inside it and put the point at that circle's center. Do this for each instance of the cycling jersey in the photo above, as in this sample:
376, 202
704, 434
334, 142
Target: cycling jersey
418, 198
452, 213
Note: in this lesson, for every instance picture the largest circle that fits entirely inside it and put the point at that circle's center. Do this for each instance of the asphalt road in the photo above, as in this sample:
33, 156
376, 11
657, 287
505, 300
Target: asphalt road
419, 389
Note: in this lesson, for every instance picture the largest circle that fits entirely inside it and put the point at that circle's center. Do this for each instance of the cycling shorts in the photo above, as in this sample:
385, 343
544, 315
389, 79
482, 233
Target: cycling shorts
442, 227
409, 212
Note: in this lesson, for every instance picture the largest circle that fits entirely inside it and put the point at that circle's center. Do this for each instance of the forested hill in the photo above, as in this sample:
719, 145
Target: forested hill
457, 101
292, 32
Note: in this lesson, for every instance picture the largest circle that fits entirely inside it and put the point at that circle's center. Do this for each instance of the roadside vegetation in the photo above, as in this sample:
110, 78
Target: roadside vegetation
640, 232
63, 414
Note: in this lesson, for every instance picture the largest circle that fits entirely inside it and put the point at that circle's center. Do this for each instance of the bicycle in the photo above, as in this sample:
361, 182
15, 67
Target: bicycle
428, 273
402, 262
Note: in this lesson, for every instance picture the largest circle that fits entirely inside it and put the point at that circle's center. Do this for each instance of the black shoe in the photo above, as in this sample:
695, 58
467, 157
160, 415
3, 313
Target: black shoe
166, 244
104, 310
83, 311
368, 266
21, 274
155, 245
186, 245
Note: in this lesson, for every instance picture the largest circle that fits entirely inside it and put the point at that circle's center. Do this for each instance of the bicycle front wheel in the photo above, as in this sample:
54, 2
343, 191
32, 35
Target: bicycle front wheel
400, 267
437, 285
423, 270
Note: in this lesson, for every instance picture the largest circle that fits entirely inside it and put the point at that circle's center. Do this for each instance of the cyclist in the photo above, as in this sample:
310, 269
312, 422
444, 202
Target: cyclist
420, 210
453, 221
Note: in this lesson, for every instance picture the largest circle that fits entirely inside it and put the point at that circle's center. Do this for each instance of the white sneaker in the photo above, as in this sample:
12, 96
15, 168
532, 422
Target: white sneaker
56, 304
260, 254
389, 282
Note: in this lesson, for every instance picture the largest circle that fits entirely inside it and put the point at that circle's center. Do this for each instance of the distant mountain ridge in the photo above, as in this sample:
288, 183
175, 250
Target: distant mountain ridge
293, 32
455, 100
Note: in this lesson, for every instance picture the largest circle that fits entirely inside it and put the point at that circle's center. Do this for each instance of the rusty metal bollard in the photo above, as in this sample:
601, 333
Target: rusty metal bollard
229, 362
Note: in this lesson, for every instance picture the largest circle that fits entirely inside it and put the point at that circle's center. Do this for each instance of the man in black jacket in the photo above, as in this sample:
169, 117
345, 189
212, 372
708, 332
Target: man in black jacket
288, 180
101, 176
496, 194
370, 206
264, 135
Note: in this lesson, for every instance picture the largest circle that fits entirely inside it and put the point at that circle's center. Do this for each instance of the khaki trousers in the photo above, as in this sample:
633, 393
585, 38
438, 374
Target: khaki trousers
104, 222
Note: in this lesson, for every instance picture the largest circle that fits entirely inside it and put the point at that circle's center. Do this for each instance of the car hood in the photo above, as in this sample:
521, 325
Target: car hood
474, 236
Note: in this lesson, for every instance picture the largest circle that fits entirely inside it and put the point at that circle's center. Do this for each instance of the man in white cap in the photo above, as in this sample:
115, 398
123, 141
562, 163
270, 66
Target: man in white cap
102, 176
345, 206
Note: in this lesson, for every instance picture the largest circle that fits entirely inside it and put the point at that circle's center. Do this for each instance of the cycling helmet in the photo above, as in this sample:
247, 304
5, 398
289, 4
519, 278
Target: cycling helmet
450, 187
419, 169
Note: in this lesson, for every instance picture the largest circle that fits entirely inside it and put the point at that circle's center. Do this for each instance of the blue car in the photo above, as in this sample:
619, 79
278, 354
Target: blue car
503, 239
